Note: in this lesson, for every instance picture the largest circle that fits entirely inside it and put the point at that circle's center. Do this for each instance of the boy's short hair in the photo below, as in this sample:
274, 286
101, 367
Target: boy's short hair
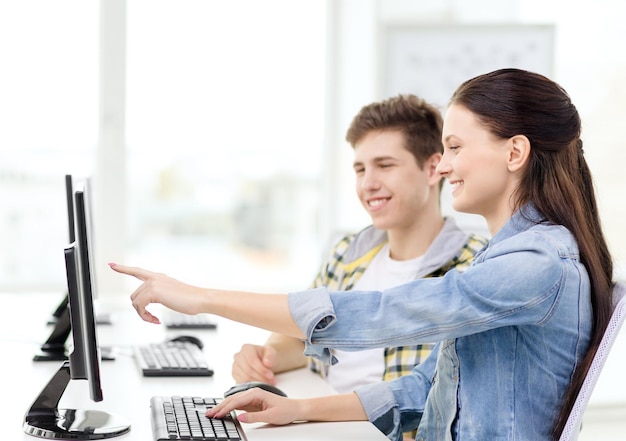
420, 122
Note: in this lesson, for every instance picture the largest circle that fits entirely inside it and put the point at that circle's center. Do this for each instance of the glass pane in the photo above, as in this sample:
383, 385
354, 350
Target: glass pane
48, 109
225, 130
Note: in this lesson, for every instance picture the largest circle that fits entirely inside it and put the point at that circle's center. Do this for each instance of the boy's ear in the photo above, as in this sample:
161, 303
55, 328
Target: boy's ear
431, 165
519, 152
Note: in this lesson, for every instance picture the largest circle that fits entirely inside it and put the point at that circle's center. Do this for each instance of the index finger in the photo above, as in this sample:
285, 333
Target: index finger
134, 271
227, 405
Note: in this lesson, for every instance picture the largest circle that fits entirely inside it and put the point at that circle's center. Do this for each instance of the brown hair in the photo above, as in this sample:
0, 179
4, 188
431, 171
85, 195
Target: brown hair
420, 122
511, 102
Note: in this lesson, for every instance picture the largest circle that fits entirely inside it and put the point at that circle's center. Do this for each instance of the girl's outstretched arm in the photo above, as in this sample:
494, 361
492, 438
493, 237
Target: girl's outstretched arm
266, 311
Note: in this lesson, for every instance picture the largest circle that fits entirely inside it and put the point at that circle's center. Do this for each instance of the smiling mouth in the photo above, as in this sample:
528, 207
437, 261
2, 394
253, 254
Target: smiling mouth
376, 202
456, 185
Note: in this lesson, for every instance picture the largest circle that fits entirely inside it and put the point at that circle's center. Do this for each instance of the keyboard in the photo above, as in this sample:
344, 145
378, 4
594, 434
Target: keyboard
172, 359
178, 320
178, 418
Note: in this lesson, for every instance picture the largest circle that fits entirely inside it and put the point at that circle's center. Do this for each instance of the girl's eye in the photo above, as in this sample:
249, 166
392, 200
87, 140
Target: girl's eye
454, 147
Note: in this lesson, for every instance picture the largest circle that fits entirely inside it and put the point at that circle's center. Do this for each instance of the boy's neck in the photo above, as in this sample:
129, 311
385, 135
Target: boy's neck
412, 242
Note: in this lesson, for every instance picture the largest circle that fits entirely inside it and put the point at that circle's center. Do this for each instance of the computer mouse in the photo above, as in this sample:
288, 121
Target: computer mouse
189, 338
250, 384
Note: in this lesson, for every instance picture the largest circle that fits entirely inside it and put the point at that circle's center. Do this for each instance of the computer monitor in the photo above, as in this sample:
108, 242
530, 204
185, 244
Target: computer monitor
44, 419
69, 204
84, 185
54, 348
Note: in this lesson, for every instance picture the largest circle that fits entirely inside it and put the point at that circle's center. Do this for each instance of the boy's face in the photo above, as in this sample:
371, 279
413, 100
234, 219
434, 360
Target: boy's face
389, 183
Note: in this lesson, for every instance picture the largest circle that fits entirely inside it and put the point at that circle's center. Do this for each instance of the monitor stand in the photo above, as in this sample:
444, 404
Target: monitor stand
54, 348
45, 420
103, 318
59, 311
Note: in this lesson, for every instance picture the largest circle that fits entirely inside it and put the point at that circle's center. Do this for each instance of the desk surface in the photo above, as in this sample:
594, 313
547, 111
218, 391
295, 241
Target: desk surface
126, 392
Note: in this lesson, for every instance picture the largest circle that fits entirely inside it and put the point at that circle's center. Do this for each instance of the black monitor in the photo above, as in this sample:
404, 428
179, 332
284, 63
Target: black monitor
44, 419
54, 348
69, 204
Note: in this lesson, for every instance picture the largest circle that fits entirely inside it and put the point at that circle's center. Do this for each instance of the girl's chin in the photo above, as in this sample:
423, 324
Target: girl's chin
461, 207
466, 209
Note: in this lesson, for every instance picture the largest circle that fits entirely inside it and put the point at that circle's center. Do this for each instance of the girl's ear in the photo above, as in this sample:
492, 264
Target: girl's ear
519, 153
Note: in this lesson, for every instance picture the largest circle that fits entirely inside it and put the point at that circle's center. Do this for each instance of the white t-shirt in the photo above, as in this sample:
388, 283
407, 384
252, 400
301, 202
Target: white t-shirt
357, 368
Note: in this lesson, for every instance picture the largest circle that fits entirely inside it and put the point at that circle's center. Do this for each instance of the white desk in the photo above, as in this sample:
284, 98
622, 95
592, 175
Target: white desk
126, 392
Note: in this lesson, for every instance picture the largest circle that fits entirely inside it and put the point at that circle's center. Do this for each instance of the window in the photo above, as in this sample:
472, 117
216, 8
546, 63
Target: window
48, 114
224, 133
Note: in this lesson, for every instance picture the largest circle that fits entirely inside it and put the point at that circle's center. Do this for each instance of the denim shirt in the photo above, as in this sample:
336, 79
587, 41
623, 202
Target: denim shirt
512, 329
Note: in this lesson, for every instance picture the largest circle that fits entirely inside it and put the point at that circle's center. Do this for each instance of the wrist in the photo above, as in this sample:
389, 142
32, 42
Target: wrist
208, 299
305, 410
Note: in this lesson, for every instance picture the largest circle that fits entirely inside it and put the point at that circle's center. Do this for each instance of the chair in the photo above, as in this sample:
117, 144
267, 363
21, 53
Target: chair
573, 425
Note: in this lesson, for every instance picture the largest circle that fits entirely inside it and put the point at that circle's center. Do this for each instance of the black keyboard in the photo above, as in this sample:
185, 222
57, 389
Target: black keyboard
172, 359
178, 320
178, 418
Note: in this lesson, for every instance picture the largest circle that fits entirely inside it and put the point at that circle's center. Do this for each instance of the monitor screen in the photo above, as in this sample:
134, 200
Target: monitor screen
44, 418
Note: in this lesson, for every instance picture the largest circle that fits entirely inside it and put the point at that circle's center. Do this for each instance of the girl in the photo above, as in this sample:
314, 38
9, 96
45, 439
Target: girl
517, 329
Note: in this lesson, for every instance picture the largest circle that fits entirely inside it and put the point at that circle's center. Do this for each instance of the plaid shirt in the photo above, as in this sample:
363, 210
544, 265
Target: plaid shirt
348, 261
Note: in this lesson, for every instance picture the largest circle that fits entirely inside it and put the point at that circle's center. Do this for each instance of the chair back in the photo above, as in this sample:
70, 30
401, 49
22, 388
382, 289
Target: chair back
572, 427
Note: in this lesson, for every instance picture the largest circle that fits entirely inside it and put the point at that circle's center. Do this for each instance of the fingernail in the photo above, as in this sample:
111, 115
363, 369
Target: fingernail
112, 264
243, 417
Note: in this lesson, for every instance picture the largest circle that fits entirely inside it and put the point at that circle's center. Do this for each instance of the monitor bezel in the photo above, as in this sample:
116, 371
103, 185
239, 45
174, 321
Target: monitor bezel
87, 318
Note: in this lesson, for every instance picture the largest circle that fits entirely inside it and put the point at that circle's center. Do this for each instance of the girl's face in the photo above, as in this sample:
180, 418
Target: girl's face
476, 164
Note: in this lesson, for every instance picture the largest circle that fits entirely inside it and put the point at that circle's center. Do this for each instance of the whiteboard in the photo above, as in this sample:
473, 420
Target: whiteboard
432, 61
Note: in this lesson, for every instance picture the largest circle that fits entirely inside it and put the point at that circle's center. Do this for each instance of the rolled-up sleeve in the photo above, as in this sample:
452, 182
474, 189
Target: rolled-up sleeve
379, 404
313, 310
397, 406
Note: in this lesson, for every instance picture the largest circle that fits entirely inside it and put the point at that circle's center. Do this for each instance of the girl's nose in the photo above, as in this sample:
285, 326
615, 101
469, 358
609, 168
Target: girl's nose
443, 168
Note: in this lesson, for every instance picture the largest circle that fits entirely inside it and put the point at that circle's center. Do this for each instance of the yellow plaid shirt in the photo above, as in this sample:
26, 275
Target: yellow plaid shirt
339, 275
